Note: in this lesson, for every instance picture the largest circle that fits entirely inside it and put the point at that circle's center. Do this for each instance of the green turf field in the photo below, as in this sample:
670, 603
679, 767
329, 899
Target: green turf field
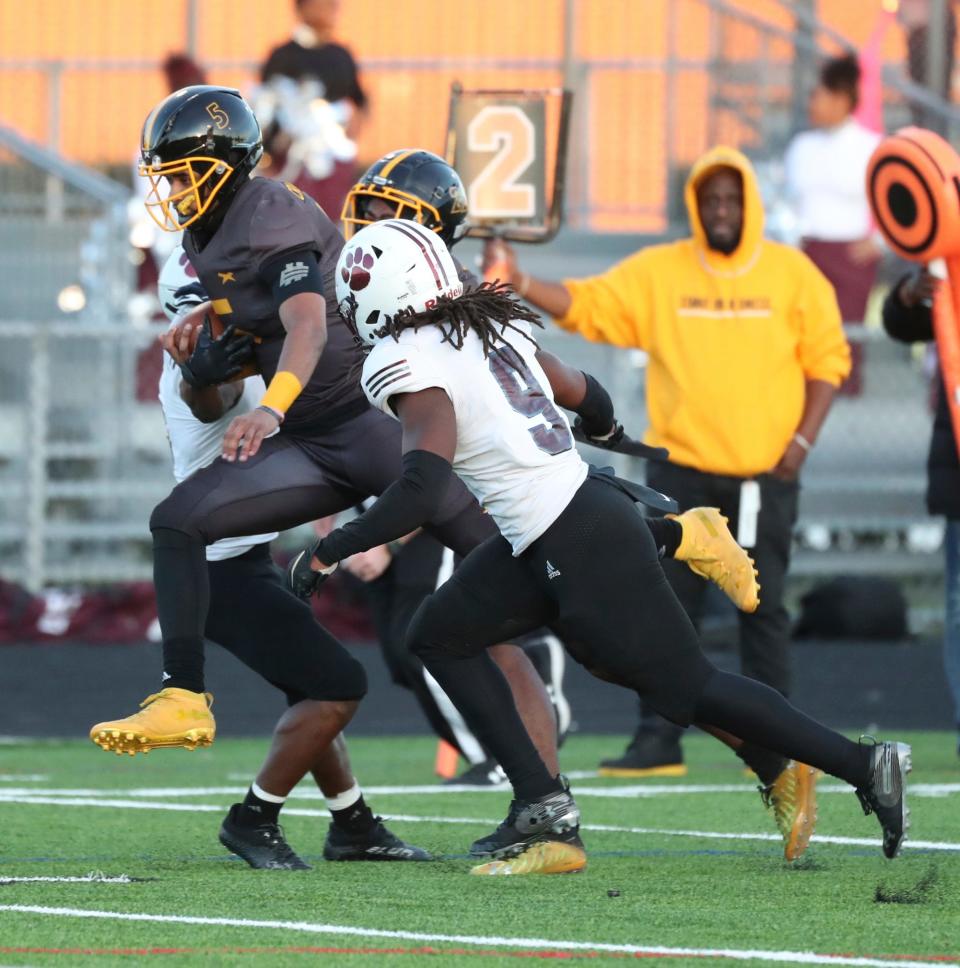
663, 878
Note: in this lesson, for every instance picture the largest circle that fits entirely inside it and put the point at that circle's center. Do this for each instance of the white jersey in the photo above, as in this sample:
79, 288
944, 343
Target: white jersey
515, 451
194, 444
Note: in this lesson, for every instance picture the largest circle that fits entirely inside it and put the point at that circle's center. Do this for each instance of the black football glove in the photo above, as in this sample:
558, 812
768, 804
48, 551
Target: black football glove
215, 361
302, 580
618, 441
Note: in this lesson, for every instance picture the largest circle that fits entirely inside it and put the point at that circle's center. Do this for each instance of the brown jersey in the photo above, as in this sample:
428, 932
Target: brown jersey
266, 220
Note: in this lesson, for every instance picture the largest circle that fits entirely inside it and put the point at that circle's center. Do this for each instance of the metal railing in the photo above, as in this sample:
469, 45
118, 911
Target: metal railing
83, 455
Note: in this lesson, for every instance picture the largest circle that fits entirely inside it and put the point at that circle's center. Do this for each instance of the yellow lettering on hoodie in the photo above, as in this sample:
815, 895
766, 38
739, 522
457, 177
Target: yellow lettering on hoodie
732, 339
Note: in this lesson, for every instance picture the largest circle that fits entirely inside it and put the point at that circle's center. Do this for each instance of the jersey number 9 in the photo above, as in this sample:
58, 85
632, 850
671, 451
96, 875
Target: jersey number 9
526, 396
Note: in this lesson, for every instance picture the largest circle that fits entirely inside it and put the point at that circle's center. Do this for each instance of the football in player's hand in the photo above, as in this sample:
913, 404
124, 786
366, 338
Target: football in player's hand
195, 318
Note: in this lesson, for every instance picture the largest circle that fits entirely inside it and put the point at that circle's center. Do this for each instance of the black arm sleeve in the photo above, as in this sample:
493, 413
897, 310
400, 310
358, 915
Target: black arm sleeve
595, 410
907, 324
291, 273
403, 507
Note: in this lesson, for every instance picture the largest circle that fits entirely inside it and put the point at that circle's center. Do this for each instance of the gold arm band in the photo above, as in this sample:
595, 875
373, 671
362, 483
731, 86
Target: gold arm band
283, 390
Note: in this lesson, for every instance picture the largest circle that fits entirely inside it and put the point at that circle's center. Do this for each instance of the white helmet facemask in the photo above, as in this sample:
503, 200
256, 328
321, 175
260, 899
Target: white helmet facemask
388, 267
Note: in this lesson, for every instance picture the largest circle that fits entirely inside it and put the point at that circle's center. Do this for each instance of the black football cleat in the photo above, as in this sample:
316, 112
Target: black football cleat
263, 847
553, 817
376, 843
885, 793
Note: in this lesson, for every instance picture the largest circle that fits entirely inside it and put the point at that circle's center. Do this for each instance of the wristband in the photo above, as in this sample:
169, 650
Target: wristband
276, 414
523, 285
803, 442
283, 390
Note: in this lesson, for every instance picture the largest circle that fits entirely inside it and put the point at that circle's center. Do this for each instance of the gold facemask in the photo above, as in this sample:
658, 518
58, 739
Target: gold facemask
406, 206
181, 209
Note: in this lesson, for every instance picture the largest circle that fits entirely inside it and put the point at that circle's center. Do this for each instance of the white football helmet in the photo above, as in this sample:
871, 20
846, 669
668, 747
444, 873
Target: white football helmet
389, 266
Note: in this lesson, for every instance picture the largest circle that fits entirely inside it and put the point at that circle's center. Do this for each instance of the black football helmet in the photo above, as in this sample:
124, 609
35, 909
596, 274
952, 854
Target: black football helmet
418, 185
207, 133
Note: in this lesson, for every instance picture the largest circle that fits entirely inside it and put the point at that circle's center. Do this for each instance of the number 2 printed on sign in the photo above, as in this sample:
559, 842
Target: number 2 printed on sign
495, 192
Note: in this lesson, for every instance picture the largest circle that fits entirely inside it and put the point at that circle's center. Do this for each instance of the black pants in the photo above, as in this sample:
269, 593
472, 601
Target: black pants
594, 576
394, 597
764, 634
272, 632
291, 480
419, 568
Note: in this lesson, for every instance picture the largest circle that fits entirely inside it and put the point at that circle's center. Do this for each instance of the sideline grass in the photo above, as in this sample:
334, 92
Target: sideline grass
694, 892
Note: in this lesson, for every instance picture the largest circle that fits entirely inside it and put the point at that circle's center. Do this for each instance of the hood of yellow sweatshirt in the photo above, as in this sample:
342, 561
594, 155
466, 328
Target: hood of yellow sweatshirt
746, 253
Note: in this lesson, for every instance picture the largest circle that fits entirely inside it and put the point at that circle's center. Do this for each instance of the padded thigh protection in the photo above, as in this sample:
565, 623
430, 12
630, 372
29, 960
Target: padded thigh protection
255, 618
281, 487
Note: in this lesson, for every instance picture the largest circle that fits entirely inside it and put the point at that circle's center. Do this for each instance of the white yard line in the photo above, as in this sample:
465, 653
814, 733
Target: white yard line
542, 944
121, 804
86, 879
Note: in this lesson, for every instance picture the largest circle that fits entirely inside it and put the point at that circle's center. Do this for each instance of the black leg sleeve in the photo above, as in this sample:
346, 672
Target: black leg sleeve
490, 599
183, 594
758, 714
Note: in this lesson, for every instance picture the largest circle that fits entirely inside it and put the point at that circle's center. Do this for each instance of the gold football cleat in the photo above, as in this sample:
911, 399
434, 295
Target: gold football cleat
793, 796
171, 717
543, 857
710, 551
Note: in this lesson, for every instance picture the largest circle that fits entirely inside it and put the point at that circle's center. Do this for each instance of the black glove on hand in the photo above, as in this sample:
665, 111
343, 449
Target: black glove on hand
618, 441
302, 580
607, 442
215, 361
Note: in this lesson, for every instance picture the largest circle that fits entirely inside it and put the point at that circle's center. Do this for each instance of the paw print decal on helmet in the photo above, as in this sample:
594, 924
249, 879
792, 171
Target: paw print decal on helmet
356, 269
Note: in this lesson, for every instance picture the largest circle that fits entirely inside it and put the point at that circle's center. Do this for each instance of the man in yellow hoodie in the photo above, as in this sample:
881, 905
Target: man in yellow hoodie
746, 351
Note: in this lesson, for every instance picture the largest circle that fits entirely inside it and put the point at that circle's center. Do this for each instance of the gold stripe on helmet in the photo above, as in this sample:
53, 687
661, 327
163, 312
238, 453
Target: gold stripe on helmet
393, 162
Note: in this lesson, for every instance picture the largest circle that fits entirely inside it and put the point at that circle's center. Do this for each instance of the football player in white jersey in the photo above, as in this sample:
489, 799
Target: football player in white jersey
475, 395
256, 619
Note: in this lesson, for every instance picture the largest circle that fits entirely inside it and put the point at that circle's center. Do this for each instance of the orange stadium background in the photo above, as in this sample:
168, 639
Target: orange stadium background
103, 58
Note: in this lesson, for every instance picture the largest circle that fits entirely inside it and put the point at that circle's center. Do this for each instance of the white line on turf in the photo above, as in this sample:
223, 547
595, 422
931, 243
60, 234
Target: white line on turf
23, 777
93, 878
305, 927
631, 792
119, 804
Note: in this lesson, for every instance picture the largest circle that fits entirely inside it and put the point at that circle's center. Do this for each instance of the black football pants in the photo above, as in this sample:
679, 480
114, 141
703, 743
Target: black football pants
290, 481
595, 578
272, 632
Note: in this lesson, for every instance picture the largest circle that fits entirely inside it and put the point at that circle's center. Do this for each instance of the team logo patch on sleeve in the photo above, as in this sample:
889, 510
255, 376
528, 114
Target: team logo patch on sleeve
293, 272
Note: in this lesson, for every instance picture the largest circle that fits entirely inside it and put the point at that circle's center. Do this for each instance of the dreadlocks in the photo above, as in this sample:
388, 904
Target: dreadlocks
487, 310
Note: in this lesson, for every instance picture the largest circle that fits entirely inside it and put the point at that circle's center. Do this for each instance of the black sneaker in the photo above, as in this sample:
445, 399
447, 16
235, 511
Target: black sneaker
263, 847
650, 754
485, 774
885, 793
553, 817
376, 843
